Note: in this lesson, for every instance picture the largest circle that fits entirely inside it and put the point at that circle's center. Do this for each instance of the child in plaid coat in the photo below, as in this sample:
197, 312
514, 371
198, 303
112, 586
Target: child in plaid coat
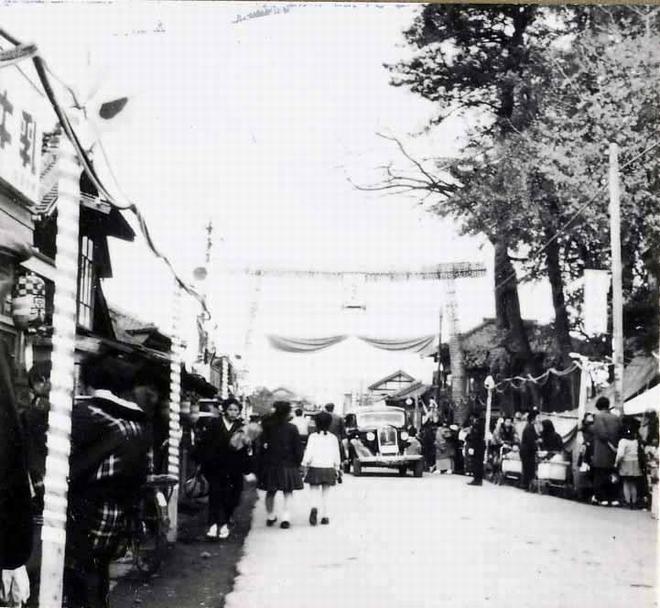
110, 441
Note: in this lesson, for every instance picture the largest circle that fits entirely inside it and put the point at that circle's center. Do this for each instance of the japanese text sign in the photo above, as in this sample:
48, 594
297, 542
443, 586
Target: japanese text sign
20, 134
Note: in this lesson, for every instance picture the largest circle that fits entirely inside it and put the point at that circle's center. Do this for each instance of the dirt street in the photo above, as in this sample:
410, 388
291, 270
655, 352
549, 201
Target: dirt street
435, 541
196, 573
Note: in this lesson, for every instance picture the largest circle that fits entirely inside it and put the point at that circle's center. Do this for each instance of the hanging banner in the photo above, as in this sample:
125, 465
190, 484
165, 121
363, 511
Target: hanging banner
594, 311
421, 345
303, 345
20, 134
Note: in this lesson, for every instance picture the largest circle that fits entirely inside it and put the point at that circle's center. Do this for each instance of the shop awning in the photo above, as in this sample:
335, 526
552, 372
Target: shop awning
648, 400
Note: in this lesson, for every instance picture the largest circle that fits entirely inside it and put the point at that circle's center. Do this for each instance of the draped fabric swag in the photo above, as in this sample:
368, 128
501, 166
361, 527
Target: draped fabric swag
421, 345
303, 345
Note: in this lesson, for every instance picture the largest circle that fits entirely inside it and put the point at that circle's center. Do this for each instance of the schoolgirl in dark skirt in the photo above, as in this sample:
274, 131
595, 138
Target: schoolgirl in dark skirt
322, 459
279, 456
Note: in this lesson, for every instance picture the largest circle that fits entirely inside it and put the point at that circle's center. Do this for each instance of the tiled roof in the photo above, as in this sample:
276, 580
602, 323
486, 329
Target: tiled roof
416, 389
399, 372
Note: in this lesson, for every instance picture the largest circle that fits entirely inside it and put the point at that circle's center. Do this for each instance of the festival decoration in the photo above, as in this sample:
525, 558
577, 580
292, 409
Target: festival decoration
28, 305
420, 345
53, 532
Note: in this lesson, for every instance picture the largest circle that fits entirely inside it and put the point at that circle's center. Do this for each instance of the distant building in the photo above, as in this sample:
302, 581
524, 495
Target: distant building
389, 385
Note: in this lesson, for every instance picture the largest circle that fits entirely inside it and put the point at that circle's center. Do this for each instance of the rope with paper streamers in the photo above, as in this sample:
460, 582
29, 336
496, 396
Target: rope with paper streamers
518, 381
42, 69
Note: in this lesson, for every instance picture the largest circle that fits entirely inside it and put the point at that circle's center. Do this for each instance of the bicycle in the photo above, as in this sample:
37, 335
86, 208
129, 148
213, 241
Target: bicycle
149, 523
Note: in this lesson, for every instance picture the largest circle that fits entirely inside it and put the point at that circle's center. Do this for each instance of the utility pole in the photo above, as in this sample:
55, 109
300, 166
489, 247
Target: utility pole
617, 287
439, 373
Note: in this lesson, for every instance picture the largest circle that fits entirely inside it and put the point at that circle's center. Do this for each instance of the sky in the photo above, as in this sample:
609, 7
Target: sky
256, 119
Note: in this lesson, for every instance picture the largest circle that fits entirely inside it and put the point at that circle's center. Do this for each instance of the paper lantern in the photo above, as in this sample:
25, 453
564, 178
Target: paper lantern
28, 305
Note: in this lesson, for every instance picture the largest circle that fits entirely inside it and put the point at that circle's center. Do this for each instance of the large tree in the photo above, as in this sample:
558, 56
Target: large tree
481, 58
604, 87
531, 177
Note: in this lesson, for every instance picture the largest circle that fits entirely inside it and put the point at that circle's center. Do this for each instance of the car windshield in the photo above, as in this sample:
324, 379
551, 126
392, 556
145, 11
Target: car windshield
376, 419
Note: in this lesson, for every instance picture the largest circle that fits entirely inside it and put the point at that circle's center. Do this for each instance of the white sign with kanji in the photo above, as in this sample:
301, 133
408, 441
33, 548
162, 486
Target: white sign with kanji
20, 134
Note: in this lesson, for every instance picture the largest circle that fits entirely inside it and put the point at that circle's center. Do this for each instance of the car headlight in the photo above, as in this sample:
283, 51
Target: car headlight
370, 436
404, 435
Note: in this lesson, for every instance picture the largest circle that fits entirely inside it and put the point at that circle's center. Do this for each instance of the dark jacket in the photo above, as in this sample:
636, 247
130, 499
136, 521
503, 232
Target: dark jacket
476, 438
528, 441
15, 501
215, 453
552, 442
337, 426
606, 431
109, 447
280, 445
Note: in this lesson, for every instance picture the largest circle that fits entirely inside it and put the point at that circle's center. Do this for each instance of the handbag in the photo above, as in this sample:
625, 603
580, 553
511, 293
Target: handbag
196, 486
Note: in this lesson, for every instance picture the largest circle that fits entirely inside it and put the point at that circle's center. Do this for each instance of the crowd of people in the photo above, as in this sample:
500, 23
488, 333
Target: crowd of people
284, 451
619, 457
116, 434
617, 461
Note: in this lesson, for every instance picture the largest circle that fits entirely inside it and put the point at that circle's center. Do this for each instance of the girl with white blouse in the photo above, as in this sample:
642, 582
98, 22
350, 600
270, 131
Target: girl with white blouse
322, 460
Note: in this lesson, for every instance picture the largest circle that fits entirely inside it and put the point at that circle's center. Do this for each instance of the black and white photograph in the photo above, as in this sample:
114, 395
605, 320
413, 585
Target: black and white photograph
329, 305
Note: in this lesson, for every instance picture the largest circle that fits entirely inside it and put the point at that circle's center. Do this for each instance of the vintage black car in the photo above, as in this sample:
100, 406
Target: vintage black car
377, 437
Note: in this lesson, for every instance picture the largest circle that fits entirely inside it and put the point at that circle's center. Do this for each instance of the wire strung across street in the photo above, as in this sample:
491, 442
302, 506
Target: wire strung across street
42, 69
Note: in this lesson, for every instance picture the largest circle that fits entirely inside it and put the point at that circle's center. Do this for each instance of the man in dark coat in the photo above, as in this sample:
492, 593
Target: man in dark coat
338, 429
477, 449
223, 456
606, 431
15, 501
528, 444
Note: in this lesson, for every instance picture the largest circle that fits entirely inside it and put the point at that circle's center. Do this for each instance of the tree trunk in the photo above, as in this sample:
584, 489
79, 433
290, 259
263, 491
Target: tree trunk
567, 386
508, 318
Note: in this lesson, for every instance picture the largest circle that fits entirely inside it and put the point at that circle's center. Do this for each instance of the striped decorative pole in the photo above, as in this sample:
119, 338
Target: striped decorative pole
53, 533
173, 465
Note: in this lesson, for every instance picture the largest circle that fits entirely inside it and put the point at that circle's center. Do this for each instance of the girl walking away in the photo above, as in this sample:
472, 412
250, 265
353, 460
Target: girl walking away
627, 463
224, 460
280, 455
323, 459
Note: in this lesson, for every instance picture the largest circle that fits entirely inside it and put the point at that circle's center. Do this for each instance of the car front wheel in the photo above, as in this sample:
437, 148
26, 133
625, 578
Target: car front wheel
419, 468
357, 467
